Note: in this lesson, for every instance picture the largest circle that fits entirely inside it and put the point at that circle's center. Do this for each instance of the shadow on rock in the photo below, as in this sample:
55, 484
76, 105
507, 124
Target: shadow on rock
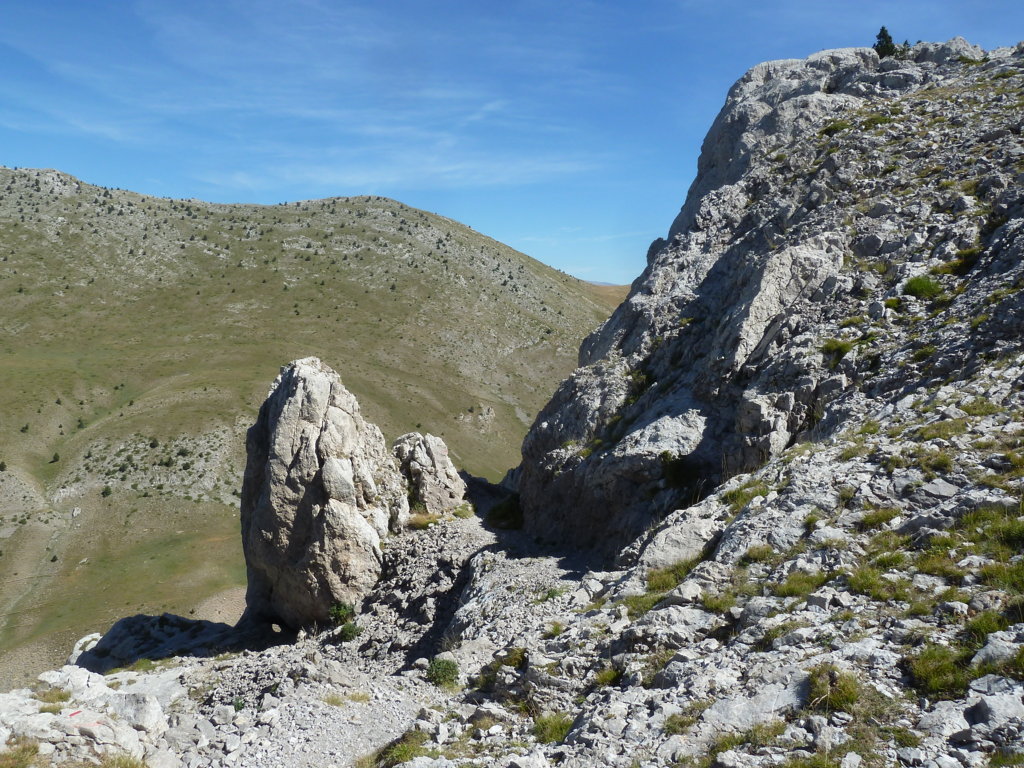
499, 509
135, 640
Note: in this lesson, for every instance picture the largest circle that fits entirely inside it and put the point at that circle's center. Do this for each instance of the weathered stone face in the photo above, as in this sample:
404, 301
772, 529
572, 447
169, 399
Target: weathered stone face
682, 386
779, 291
433, 480
320, 491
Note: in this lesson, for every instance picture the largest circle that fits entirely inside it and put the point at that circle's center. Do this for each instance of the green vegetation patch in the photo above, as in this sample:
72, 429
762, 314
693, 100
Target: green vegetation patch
877, 517
408, 746
444, 673
552, 728
660, 581
835, 350
868, 580
835, 127
922, 287
420, 521
800, 584
940, 672
608, 675
944, 429
961, 264
20, 753
832, 690
670, 577
759, 553
680, 722
738, 498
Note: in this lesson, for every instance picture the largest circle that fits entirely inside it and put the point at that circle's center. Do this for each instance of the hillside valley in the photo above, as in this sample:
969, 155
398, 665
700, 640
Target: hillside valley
138, 333
773, 519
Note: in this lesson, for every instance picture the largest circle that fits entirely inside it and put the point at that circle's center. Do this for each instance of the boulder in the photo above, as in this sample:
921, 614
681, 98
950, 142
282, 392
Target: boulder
941, 53
320, 491
434, 483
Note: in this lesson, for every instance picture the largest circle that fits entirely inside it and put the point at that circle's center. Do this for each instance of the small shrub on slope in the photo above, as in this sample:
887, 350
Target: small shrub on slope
444, 673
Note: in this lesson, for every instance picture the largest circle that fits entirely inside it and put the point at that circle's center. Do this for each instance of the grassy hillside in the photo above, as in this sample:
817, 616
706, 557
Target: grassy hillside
138, 336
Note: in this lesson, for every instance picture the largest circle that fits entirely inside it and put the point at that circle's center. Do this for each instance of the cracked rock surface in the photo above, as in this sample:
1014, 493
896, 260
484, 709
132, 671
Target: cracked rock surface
321, 490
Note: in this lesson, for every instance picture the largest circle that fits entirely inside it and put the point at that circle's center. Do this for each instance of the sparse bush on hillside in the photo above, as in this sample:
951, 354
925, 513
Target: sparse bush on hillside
349, 631
343, 615
444, 673
341, 612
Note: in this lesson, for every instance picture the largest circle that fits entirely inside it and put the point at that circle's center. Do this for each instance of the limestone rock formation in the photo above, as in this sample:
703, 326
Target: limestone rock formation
434, 483
320, 491
775, 292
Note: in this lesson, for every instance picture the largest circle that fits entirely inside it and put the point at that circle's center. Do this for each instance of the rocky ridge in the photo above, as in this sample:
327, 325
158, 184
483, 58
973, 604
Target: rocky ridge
846, 588
829, 189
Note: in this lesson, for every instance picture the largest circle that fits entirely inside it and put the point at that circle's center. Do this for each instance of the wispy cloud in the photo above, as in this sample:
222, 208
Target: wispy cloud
400, 171
264, 93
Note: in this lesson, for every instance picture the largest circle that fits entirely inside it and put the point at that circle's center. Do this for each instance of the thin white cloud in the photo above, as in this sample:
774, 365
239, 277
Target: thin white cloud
403, 172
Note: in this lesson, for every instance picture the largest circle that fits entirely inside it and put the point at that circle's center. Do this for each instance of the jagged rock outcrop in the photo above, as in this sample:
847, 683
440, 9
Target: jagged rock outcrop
774, 293
321, 489
434, 483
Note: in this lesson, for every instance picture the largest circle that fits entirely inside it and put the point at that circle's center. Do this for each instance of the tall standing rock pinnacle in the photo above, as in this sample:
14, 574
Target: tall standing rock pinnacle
320, 491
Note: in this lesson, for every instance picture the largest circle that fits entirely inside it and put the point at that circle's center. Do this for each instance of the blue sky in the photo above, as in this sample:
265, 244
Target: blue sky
567, 129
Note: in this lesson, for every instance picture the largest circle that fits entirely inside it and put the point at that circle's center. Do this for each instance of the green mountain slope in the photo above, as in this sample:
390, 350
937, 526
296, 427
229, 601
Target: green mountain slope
138, 336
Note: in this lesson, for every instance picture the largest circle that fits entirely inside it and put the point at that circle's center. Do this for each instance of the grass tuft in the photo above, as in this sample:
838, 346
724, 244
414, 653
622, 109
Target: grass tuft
552, 728
940, 672
922, 287
832, 690
800, 584
738, 498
